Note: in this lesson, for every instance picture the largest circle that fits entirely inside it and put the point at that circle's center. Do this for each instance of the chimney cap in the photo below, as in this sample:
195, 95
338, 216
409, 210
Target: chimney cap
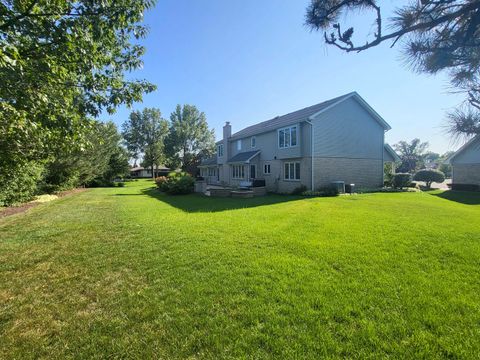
227, 123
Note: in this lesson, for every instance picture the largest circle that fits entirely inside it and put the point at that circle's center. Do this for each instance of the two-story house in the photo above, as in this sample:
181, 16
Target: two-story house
341, 139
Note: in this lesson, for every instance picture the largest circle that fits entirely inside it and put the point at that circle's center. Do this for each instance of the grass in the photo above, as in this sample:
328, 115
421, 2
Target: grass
130, 273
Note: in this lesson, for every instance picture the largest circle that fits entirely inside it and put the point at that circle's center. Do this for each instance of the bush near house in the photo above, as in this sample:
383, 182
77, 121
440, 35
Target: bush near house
429, 176
176, 183
401, 180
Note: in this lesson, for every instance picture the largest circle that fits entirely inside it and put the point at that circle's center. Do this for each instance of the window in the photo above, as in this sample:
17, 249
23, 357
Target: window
287, 137
266, 169
211, 171
253, 141
220, 150
292, 171
239, 145
238, 171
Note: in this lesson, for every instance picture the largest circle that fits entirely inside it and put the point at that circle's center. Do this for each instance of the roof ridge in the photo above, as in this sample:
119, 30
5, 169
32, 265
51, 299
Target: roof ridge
335, 99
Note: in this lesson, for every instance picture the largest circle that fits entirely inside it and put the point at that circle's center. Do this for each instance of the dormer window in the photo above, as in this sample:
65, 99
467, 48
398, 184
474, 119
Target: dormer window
253, 141
287, 137
220, 150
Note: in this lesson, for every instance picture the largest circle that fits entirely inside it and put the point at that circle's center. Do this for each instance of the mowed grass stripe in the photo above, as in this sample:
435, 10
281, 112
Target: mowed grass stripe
128, 272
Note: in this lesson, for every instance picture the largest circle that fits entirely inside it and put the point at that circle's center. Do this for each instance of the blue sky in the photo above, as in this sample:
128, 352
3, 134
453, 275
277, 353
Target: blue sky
248, 61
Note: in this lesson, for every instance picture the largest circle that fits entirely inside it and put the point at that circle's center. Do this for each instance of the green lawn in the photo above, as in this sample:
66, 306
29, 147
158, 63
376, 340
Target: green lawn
129, 273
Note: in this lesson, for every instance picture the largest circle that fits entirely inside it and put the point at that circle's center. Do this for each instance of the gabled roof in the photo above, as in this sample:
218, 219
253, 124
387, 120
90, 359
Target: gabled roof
209, 162
463, 148
304, 115
392, 152
244, 157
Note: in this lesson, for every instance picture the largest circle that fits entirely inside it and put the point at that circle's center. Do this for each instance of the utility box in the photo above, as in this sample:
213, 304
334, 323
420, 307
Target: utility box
349, 188
339, 185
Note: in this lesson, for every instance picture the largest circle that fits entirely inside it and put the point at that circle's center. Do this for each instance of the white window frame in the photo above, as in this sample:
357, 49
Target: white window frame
212, 171
291, 175
267, 169
239, 145
253, 142
220, 150
238, 171
287, 131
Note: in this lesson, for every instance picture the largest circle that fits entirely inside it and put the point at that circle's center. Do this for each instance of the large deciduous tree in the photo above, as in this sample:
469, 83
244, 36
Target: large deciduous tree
411, 154
144, 134
440, 35
189, 138
62, 63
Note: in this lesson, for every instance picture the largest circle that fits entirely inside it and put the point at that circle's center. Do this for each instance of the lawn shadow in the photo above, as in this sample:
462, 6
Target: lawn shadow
201, 203
463, 197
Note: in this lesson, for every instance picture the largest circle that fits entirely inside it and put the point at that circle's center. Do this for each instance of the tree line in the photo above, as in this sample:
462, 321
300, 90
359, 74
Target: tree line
414, 156
62, 66
178, 143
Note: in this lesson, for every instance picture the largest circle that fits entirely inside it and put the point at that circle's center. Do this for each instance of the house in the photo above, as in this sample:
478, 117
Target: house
466, 164
139, 172
341, 139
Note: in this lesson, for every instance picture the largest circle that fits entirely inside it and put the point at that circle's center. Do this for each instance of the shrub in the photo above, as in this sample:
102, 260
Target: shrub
429, 176
18, 183
121, 184
328, 191
161, 183
176, 183
299, 190
401, 180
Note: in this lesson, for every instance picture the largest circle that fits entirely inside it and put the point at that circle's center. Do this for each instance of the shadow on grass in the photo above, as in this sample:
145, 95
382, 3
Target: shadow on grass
201, 203
463, 197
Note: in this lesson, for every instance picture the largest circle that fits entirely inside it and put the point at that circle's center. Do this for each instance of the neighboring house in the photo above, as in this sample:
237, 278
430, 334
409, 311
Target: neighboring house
141, 172
341, 139
466, 163
389, 155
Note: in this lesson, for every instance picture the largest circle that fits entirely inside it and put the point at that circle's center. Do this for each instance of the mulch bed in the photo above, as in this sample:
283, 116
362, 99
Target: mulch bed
4, 212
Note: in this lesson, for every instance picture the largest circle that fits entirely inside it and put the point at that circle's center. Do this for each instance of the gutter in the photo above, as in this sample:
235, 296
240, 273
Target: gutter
311, 149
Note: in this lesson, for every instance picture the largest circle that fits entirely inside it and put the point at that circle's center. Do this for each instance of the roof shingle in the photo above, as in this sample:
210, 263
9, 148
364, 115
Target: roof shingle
244, 156
285, 120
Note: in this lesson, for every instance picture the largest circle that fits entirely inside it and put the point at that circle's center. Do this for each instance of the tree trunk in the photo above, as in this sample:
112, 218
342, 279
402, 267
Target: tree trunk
153, 172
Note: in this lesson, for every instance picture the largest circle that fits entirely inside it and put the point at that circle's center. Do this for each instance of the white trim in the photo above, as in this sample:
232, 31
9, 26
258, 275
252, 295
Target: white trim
294, 170
297, 133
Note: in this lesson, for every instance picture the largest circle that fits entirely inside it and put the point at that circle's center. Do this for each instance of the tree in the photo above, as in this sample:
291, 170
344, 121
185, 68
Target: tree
437, 35
80, 166
411, 155
189, 138
429, 176
61, 63
144, 134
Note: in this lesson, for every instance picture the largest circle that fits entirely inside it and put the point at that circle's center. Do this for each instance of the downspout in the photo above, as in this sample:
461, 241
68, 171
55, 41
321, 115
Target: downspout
383, 160
311, 157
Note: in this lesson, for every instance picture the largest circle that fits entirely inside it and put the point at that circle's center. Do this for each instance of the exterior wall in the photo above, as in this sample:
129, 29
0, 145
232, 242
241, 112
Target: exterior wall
466, 174
267, 143
348, 146
364, 173
387, 157
470, 155
348, 131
